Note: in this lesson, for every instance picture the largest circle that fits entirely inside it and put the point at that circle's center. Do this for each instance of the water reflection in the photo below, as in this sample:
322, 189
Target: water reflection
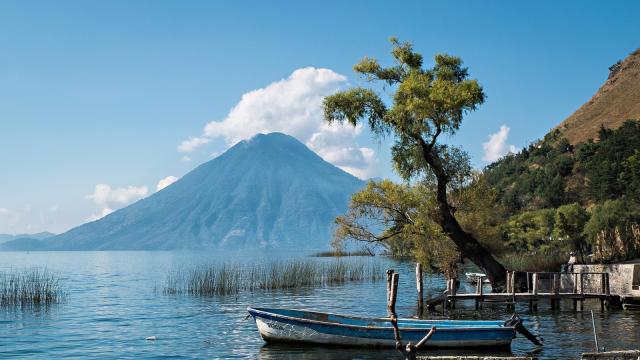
291, 351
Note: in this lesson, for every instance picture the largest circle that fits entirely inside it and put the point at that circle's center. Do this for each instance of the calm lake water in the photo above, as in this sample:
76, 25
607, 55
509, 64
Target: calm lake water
115, 301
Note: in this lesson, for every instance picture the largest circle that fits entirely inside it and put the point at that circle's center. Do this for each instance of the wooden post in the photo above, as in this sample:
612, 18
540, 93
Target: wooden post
454, 291
394, 292
478, 291
607, 289
389, 278
575, 290
513, 290
581, 292
602, 290
534, 304
556, 291
419, 287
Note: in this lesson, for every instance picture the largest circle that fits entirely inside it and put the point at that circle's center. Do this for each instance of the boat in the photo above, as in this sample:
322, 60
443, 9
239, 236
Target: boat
311, 327
473, 277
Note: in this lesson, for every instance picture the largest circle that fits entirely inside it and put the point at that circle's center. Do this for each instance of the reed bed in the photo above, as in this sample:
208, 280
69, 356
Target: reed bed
335, 253
228, 279
32, 287
534, 261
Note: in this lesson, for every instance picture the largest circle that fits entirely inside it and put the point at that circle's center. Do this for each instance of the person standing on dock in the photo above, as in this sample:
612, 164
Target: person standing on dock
572, 260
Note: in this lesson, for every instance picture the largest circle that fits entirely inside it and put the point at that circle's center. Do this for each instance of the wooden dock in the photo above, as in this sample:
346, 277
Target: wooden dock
541, 286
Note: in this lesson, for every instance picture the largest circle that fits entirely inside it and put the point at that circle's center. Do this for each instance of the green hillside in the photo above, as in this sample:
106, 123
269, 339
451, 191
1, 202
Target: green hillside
559, 197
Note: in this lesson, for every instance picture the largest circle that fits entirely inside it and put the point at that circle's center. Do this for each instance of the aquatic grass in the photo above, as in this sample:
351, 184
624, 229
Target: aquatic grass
534, 261
31, 287
228, 279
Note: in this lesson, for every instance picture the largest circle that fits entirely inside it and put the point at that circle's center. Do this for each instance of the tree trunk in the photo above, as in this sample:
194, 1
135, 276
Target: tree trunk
468, 245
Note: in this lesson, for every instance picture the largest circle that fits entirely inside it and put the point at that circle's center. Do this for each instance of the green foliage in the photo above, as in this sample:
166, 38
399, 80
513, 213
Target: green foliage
426, 104
568, 226
535, 178
535, 260
550, 173
479, 212
608, 167
531, 230
400, 218
614, 230
547, 188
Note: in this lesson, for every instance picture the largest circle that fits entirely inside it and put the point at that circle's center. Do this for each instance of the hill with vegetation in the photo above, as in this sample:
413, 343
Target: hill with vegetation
560, 197
578, 188
617, 100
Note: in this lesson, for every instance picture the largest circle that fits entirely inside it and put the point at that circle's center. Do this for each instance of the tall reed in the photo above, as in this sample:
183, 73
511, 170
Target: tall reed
225, 279
534, 261
29, 287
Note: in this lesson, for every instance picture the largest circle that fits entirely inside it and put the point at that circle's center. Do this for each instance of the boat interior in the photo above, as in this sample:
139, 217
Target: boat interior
379, 322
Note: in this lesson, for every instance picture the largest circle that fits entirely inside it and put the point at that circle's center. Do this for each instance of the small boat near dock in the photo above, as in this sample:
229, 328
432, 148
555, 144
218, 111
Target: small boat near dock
285, 325
472, 277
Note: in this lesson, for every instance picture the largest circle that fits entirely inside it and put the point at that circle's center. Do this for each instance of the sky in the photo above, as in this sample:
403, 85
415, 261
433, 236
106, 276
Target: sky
104, 102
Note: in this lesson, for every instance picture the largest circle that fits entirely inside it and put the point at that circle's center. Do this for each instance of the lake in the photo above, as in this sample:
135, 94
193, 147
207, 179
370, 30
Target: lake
115, 301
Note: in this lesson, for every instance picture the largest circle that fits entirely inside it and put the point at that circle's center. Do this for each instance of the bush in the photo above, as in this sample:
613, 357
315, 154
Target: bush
614, 230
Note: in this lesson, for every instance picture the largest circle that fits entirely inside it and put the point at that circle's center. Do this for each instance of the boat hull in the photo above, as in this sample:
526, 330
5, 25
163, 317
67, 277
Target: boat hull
276, 328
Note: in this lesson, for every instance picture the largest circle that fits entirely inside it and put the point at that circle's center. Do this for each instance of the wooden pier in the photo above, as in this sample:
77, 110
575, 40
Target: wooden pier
541, 286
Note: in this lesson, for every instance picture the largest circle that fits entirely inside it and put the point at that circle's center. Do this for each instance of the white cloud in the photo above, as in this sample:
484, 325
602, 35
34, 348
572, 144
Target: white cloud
54, 207
496, 147
4, 211
192, 143
163, 183
112, 198
336, 144
294, 106
186, 159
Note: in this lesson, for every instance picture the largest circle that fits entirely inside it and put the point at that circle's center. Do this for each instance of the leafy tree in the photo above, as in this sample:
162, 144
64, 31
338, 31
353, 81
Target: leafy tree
630, 175
569, 226
479, 212
604, 167
427, 104
614, 230
397, 217
531, 230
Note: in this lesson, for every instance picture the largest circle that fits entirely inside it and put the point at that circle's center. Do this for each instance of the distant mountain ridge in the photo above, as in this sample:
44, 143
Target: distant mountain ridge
267, 192
37, 236
617, 100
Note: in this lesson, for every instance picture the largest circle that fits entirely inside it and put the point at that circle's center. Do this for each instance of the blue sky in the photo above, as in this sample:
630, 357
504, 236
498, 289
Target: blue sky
97, 96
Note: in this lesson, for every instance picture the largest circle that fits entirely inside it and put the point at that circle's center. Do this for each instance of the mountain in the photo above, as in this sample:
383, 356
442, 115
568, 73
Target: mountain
617, 100
25, 243
267, 192
38, 236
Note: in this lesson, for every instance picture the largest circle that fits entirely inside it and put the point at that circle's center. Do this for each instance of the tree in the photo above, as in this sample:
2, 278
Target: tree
397, 217
569, 226
614, 230
426, 104
531, 230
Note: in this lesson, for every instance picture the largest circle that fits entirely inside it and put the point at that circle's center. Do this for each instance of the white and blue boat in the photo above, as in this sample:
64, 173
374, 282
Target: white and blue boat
299, 326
